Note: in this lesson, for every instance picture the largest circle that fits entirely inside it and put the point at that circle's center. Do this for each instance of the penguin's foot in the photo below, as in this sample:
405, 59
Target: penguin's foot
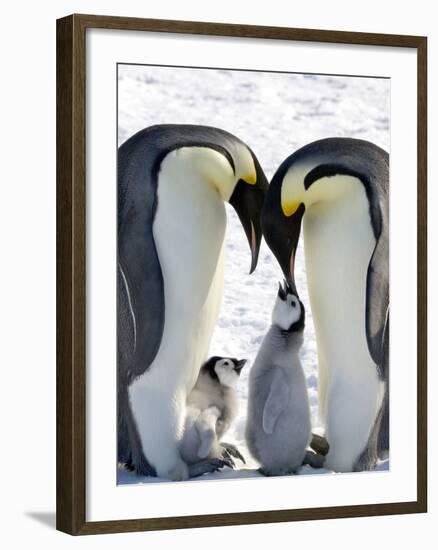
273, 473
232, 451
226, 456
142, 468
129, 465
319, 444
315, 460
383, 454
179, 472
208, 466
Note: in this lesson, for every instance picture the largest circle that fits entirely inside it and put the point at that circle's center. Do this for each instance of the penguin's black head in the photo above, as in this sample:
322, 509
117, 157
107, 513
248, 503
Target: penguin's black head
289, 313
316, 175
247, 200
281, 230
224, 370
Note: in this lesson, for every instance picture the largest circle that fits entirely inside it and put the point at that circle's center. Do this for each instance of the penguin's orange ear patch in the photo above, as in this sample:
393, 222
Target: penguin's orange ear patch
250, 178
290, 207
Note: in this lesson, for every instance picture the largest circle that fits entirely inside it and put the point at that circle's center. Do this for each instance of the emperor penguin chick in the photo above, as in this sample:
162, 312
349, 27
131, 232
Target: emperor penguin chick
212, 406
278, 429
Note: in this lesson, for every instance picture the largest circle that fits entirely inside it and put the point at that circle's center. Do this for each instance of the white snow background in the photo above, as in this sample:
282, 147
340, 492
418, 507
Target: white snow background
275, 114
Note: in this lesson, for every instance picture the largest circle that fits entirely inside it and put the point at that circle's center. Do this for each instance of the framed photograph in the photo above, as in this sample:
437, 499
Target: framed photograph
241, 210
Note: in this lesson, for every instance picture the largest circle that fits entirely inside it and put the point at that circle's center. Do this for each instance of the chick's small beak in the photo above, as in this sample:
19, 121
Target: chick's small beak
239, 365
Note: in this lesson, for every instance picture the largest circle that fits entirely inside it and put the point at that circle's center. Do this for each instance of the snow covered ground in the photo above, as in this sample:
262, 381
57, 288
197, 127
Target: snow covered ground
274, 114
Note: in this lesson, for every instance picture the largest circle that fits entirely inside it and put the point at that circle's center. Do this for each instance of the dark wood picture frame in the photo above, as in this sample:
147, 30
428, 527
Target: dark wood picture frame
71, 266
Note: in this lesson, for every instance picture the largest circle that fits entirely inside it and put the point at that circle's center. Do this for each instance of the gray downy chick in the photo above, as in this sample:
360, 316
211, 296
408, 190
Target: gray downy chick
278, 429
212, 406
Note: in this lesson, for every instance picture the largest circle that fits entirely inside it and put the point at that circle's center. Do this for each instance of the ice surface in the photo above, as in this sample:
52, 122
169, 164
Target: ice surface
274, 114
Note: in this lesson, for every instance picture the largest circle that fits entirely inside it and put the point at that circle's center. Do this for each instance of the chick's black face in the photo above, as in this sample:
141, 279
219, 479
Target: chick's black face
299, 325
292, 306
218, 364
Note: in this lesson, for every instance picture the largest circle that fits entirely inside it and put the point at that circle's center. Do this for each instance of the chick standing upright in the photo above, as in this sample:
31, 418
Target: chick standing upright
278, 429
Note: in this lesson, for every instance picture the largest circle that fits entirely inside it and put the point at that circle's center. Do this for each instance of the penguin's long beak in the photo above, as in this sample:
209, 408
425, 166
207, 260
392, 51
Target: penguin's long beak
282, 234
247, 200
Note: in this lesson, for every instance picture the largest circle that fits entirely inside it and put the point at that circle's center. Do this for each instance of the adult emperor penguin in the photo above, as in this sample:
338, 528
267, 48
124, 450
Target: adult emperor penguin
338, 189
173, 182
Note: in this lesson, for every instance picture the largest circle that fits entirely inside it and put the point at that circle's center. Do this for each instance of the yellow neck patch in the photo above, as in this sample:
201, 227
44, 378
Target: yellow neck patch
290, 207
250, 178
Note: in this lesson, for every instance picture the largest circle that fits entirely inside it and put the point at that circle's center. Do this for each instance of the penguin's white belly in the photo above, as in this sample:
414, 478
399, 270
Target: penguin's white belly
339, 242
189, 229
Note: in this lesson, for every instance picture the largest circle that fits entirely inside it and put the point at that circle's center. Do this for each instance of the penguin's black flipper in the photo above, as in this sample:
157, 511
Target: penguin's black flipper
141, 286
383, 438
377, 289
377, 303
